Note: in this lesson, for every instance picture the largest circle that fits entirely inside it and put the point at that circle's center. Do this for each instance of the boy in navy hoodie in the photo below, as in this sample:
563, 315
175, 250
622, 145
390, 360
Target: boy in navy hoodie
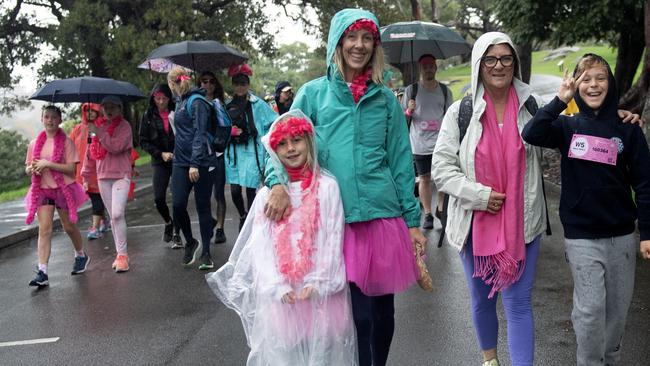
602, 160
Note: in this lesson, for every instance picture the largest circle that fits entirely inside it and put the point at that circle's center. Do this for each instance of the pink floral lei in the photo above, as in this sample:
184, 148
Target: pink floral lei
97, 151
359, 85
295, 270
57, 157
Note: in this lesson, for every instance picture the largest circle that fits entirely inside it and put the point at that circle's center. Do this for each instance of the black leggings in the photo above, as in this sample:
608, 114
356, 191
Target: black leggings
219, 188
374, 318
161, 175
238, 199
181, 188
97, 203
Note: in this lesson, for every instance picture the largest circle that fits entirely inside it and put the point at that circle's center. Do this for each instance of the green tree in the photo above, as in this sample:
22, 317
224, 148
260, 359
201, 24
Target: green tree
110, 38
618, 22
13, 148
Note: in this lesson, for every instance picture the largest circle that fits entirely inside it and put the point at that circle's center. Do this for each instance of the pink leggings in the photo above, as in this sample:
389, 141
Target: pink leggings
114, 194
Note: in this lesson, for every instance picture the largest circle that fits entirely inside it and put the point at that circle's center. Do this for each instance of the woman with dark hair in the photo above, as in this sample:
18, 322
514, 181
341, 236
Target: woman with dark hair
251, 118
214, 91
157, 138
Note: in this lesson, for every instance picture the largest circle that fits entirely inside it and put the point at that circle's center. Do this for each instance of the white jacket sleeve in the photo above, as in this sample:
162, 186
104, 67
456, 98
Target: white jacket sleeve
446, 168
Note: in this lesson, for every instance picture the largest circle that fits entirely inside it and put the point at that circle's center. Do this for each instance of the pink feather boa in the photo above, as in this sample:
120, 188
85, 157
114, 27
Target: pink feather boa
359, 85
57, 157
295, 270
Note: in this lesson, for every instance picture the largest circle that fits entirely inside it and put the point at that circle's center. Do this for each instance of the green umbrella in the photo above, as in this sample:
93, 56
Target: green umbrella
406, 42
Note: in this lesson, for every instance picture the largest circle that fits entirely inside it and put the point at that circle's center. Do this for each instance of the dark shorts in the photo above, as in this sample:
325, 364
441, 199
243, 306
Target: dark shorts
422, 164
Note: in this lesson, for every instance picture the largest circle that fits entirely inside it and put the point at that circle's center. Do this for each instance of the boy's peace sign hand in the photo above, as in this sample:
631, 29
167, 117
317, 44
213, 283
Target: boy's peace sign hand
569, 86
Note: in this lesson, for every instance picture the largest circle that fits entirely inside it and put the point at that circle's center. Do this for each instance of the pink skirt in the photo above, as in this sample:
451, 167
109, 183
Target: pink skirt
56, 195
379, 256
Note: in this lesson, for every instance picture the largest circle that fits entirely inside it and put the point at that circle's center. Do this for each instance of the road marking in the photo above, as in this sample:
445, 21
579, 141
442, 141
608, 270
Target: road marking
29, 341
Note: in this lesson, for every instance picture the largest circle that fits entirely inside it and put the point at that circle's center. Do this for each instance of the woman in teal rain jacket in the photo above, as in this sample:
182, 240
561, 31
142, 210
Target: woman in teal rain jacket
363, 141
251, 118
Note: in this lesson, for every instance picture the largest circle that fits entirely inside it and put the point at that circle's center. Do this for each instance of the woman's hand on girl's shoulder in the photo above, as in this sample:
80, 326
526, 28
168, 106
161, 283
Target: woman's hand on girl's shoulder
277, 206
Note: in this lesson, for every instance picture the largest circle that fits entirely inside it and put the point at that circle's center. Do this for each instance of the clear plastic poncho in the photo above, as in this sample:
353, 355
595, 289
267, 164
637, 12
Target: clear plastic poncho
271, 259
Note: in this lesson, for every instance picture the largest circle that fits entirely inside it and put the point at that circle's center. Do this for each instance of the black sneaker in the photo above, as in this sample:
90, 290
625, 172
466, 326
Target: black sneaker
80, 264
206, 262
242, 220
169, 232
219, 236
428, 222
177, 243
41, 280
192, 249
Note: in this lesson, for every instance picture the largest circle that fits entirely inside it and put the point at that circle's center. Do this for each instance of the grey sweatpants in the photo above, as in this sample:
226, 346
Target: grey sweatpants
603, 282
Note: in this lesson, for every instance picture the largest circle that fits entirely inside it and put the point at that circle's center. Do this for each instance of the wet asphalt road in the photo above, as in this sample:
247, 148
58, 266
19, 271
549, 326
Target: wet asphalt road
159, 313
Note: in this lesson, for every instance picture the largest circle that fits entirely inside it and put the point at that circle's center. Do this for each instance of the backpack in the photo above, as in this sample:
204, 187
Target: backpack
242, 119
219, 126
465, 112
414, 94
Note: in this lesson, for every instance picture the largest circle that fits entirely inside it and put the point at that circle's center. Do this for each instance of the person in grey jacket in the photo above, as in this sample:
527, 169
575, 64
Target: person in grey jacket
496, 205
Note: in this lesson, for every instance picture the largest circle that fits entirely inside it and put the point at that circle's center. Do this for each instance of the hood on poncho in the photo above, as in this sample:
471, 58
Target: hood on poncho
86, 107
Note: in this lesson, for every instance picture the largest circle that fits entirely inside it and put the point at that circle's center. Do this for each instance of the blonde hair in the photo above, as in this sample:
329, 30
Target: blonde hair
179, 87
376, 62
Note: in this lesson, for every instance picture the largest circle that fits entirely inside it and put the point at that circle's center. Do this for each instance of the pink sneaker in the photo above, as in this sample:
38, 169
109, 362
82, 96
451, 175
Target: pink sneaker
121, 263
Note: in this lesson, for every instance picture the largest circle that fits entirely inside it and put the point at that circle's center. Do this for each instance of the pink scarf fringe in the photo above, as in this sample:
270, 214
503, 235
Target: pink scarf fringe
97, 151
36, 193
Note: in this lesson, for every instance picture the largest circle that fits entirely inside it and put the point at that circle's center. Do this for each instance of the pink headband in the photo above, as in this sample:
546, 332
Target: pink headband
240, 69
366, 24
182, 78
159, 94
291, 127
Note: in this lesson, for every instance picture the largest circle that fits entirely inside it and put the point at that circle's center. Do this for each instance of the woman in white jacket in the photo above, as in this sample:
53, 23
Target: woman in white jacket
496, 206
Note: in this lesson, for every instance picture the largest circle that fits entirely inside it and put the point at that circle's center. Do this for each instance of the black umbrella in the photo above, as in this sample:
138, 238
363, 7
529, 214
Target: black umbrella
86, 89
199, 55
405, 42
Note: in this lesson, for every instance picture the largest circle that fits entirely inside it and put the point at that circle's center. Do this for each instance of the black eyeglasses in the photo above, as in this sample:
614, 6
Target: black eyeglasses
491, 61
211, 81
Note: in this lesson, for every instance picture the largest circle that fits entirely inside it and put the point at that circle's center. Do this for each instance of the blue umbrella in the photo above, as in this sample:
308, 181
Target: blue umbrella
86, 89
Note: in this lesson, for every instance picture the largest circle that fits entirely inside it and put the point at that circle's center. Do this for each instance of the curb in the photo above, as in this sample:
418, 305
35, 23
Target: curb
31, 232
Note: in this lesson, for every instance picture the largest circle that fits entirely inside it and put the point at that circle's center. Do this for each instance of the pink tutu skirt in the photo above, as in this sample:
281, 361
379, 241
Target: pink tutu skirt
56, 195
379, 256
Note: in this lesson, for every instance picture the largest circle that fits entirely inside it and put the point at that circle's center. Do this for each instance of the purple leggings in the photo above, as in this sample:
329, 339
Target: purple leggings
516, 302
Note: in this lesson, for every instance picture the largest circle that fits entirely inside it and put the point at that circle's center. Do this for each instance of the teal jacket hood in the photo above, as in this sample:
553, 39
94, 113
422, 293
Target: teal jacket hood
340, 22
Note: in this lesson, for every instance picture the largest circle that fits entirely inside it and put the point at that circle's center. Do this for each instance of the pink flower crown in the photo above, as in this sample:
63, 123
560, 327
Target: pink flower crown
290, 127
240, 69
366, 24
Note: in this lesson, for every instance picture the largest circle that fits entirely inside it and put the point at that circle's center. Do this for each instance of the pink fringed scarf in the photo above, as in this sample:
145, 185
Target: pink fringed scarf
294, 270
97, 151
498, 240
36, 193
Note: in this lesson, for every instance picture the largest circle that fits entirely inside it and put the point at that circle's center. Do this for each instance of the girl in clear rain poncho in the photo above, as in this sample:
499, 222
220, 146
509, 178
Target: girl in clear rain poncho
286, 279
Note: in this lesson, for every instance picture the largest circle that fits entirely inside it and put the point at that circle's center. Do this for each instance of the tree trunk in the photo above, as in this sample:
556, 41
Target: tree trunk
630, 50
525, 51
434, 11
636, 99
416, 11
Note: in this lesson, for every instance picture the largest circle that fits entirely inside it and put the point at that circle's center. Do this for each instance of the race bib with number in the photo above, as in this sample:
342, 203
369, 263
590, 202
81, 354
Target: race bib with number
432, 125
591, 148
